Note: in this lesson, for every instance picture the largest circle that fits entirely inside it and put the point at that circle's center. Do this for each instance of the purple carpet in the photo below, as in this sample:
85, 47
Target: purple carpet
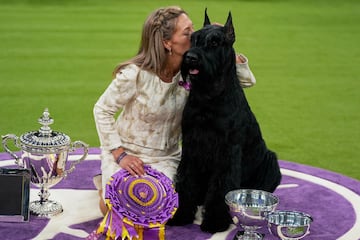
333, 200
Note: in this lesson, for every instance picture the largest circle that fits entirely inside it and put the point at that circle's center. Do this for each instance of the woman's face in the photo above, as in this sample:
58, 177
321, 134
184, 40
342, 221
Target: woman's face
180, 40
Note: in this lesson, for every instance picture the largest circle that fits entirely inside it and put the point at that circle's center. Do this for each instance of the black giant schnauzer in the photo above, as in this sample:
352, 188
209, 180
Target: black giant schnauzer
222, 148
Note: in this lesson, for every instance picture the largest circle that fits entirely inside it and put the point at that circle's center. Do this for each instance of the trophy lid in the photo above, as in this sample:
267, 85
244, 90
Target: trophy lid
45, 140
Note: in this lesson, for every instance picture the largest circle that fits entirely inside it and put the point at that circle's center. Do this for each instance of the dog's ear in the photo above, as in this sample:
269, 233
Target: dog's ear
229, 29
206, 19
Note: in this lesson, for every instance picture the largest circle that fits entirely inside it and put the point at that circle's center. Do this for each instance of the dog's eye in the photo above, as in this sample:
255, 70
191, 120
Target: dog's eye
214, 43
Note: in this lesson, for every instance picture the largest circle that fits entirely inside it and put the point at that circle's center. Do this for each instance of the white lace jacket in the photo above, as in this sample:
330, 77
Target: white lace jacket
150, 120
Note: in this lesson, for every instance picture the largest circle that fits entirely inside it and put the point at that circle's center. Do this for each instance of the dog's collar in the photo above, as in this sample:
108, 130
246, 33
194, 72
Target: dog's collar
185, 84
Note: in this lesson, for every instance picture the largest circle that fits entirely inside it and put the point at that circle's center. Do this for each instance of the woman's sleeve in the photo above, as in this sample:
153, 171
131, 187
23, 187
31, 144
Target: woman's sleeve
115, 97
244, 74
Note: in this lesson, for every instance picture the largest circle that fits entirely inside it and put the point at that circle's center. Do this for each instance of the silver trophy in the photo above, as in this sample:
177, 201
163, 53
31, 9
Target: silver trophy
248, 209
45, 153
289, 225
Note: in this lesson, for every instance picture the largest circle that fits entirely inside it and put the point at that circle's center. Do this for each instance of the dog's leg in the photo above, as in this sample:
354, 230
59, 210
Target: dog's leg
186, 211
186, 188
216, 217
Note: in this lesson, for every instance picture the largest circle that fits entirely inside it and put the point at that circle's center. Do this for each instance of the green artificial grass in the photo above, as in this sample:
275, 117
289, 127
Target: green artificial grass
304, 54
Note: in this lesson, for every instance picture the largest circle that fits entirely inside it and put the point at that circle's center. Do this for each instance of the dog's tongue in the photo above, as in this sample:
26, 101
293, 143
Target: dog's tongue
193, 71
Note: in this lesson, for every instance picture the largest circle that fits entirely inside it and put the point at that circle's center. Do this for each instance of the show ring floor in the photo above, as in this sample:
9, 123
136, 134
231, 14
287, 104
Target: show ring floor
333, 200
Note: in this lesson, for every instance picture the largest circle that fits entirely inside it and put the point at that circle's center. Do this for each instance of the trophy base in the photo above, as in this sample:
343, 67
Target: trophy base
241, 235
45, 209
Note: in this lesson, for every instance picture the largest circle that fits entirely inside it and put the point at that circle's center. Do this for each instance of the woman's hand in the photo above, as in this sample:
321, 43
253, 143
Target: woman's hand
240, 59
134, 165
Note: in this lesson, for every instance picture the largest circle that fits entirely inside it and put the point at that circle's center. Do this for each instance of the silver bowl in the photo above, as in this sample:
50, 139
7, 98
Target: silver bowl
249, 208
289, 225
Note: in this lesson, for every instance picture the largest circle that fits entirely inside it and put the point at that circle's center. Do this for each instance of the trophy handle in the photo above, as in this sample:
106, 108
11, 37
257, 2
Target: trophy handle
74, 145
13, 137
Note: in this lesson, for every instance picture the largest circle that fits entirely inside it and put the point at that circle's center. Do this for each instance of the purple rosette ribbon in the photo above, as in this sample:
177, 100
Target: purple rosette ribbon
139, 207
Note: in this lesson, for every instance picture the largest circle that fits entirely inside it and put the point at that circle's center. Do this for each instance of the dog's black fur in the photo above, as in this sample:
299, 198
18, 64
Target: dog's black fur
222, 146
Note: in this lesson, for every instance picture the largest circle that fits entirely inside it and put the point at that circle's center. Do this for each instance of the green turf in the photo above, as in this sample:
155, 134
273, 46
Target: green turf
305, 56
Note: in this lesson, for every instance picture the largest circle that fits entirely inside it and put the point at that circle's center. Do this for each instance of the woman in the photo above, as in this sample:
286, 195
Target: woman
146, 88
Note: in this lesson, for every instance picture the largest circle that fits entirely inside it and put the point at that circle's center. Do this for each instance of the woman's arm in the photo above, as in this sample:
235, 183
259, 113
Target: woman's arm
114, 98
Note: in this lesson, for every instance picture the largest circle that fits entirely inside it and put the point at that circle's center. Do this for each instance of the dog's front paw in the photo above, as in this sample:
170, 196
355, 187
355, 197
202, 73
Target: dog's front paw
214, 225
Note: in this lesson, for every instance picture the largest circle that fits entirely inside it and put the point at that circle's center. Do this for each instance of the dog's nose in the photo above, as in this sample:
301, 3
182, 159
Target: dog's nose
191, 58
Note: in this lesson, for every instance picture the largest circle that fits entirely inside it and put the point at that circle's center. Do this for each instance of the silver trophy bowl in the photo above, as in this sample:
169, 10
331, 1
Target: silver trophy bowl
45, 153
249, 208
289, 225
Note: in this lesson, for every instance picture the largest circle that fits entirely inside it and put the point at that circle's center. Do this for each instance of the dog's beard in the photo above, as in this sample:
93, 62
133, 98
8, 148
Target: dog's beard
189, 76
190, 73
192, 68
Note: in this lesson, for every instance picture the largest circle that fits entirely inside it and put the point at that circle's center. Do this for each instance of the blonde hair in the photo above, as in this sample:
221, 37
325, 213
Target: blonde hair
159, 26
